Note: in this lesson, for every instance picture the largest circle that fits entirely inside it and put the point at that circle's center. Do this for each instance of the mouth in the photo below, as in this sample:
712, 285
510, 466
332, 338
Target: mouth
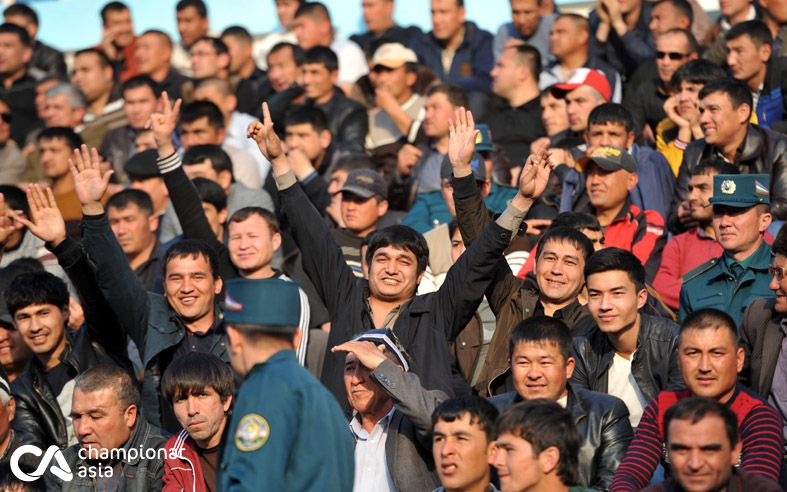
555, 283
38, 339
607, 318
188, 300
390, 281
448, 468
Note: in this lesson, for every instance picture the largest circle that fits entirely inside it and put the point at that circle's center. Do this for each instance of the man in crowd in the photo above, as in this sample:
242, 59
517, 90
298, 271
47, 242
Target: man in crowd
622, 37
45, 59
284, 65
528, 26
288, 430
92, 75
391, 410
379, 21
242, 65
153, 54
14, 165
106, 418
9, 441
18, 85
704, 449
584, 90
199, 387
631, 355
686, 251
55, 147
193, 24
118, 41
210, 58
14, 353
463, 442
541, 365
285, 11
740, 275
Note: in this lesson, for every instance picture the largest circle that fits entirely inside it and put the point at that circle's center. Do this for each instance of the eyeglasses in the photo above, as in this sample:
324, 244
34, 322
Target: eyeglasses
671, 54
6, 117
778, 272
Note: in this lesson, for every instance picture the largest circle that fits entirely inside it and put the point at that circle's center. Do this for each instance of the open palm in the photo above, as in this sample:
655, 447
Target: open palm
89, 184
461, 138
46, 222
535, 176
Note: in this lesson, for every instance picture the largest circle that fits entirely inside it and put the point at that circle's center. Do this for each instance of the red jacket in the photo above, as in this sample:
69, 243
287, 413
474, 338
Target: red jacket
641, 232
183, 474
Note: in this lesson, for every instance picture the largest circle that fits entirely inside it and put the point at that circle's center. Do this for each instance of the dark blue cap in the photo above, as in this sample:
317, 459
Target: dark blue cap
741, 190
272, 304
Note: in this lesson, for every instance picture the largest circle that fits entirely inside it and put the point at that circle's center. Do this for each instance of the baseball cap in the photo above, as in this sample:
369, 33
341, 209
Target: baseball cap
610, 158
586, 76
477, 164
741, 190
365, 183
386, 337
142, 165
483, 142
272, 304
393, 55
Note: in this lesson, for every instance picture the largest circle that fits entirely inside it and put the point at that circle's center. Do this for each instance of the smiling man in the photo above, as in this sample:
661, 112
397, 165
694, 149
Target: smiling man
710, 360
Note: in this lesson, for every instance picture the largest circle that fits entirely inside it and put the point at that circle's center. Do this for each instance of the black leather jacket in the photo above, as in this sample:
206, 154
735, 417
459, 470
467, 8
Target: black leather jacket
603, 423
347, 121
763, 152
654, 366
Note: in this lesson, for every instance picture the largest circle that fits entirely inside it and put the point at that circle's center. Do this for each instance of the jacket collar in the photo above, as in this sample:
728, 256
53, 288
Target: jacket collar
760, 261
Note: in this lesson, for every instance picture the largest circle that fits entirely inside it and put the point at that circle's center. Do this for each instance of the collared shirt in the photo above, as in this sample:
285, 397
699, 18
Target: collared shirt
778, 396
429, 171
371, 468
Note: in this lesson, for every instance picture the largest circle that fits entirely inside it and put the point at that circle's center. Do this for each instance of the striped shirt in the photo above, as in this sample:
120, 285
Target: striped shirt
300, 350
759, 426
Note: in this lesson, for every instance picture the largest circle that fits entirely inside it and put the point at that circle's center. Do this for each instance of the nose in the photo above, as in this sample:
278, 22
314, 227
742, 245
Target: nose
604, 304
695, 461
191, 406
447, 448
704, 364
497, 459
773, 285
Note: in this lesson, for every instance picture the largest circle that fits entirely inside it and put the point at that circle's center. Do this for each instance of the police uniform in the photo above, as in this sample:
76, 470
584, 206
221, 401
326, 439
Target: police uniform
724, 283
287, 431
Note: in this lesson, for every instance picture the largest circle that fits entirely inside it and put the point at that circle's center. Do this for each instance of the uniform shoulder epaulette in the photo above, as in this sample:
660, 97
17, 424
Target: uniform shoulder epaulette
700, 270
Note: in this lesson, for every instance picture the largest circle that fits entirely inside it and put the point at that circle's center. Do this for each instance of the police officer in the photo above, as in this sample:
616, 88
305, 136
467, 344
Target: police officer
741, 216
287, 431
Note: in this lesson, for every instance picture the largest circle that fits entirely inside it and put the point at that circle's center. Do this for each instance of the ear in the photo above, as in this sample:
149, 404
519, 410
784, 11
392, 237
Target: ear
27, 55
633, 180
744, 113
232, 102
570, 363
735, 457
130, 416
227, 404
334, 76
765, 52
765, 221
10, 409
225, 179
218, 285
642, 298
221, 134
549, 460
223, 216
296, 340
411, 77
224, 60
276, 240
153, 223
382, 208
740, 356
630, 139
325, 139
486, 188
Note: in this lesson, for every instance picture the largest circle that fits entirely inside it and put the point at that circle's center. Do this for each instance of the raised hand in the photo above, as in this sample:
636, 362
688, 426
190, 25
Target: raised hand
163, 124
45, 222
263, 134
369, 354
461, 141
89, 184
534, 178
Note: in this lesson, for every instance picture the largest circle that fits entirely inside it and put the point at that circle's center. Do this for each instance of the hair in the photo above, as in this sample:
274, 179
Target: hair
112, 7
21, 33
697, 72
75, 98
612, 259
315, 10
199, 5
566, 235
103, 59
15, 198
694, 45
105, 376
297, 51
219, 160
352, 162
196, 110
683, 7
240, 33
545, 424
737, 91
713, 164
218, 45
530, 57
399, 236
576, 220
480, 411
11, 483
138, 81
32, 288
193, 248
246, 212
779, 246
259, 333
303, 115
160, 34
580, 21
211, 192
129, 196
611, 113
22, 10
696, 408
757, 31
321, 55
541, 329
73, 140
455, 94
710, 318
193, 373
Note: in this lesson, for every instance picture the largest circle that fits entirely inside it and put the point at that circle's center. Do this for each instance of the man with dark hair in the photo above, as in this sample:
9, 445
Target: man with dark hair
286, 429
516, 123
284, 62
18, 85
529, 26
210, 58
726, 107
397, 258
682, 124
749, 49
242, 65
380, 25
199, 387
214, 205
153, 57
193, 24
629, 354
45, 59
392, 415
686, 251
106, 419
92, 75
541, 365
622, 36
463, 440
9, 441
285, 11
457, 50
740, 275
118, 41
710, 359
731, 14
704, 449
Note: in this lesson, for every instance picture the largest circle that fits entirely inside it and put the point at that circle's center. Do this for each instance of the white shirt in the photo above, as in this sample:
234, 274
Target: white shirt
621, 383
236, 137
371, 469
352, 61
262, 47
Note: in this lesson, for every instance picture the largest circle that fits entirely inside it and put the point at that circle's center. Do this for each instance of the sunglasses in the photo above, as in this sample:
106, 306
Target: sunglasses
6, 117
671, 54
